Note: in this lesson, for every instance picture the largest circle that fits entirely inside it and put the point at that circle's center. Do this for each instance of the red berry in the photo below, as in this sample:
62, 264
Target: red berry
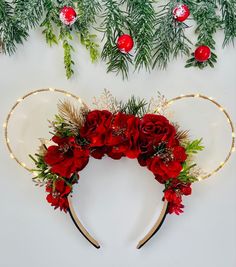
181, 12
125, 43
202, 53
68, 15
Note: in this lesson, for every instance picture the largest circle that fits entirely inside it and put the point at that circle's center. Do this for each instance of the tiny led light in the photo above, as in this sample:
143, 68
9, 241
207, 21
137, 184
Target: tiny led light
23, 164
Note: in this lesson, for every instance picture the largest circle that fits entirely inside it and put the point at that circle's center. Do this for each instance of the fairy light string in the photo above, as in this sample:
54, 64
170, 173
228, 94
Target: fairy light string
170, 102
229, 121
18, 101
161, 218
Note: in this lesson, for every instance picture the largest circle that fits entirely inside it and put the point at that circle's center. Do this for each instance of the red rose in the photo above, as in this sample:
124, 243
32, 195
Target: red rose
157, 128
58, 195
155, 165
179, 153
123, 136
96, 127
172, 169
66, 157
167, 170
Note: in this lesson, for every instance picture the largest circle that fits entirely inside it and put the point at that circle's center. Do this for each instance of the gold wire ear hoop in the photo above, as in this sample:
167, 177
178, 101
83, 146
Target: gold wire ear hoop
232, 146
72, 213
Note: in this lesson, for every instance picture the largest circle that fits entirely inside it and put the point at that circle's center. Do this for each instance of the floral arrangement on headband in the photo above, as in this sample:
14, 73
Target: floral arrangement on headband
135, 129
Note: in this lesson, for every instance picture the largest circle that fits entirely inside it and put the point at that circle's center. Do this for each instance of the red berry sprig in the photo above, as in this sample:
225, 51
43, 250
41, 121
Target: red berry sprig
68, 15
125, 43
202, 53
181, 12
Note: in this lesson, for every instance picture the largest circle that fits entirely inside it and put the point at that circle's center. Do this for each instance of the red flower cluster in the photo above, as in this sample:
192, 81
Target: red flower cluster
151, 139
58, 193
174, 197
67, 157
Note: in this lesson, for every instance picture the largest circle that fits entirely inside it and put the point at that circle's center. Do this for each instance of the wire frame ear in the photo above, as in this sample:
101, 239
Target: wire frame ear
229, 121
13, 109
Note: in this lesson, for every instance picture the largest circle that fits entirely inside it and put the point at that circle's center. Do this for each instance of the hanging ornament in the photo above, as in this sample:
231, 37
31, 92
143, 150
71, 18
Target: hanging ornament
125, 43
202, 53
68, 15
181, 12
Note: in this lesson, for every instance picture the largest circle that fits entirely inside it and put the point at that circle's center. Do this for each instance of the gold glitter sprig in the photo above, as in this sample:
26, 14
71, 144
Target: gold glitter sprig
107, 101
72, 116
158, 105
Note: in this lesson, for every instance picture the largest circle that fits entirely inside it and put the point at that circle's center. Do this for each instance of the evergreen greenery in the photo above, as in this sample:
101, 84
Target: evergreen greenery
157, 36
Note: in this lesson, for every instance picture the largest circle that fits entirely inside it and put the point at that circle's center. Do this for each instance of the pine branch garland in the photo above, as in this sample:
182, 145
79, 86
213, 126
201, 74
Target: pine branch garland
158, 36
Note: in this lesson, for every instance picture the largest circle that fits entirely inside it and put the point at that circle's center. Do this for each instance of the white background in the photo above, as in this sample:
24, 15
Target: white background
118, 199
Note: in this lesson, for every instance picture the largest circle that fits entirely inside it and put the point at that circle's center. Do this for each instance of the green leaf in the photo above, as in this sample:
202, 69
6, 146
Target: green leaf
68, 59
194, 146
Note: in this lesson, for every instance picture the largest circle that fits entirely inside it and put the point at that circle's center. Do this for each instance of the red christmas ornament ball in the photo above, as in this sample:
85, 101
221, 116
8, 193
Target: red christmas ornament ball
125, 43
68, 15
202, 53
181, 12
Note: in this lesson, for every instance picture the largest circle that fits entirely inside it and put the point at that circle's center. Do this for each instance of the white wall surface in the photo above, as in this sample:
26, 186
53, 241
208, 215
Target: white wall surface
116, 200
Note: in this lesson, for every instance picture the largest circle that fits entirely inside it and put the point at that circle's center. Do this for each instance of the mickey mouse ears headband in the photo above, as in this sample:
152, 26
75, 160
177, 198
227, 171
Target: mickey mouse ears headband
135, 129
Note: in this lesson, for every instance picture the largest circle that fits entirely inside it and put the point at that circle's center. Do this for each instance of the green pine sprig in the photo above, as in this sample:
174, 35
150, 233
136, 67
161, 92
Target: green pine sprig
114, 24
142, 24
208, 22
11, 34
228, 11
170, 40
135, 106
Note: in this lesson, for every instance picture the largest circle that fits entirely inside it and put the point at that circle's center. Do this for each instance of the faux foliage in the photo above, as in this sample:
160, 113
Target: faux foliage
158, 37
